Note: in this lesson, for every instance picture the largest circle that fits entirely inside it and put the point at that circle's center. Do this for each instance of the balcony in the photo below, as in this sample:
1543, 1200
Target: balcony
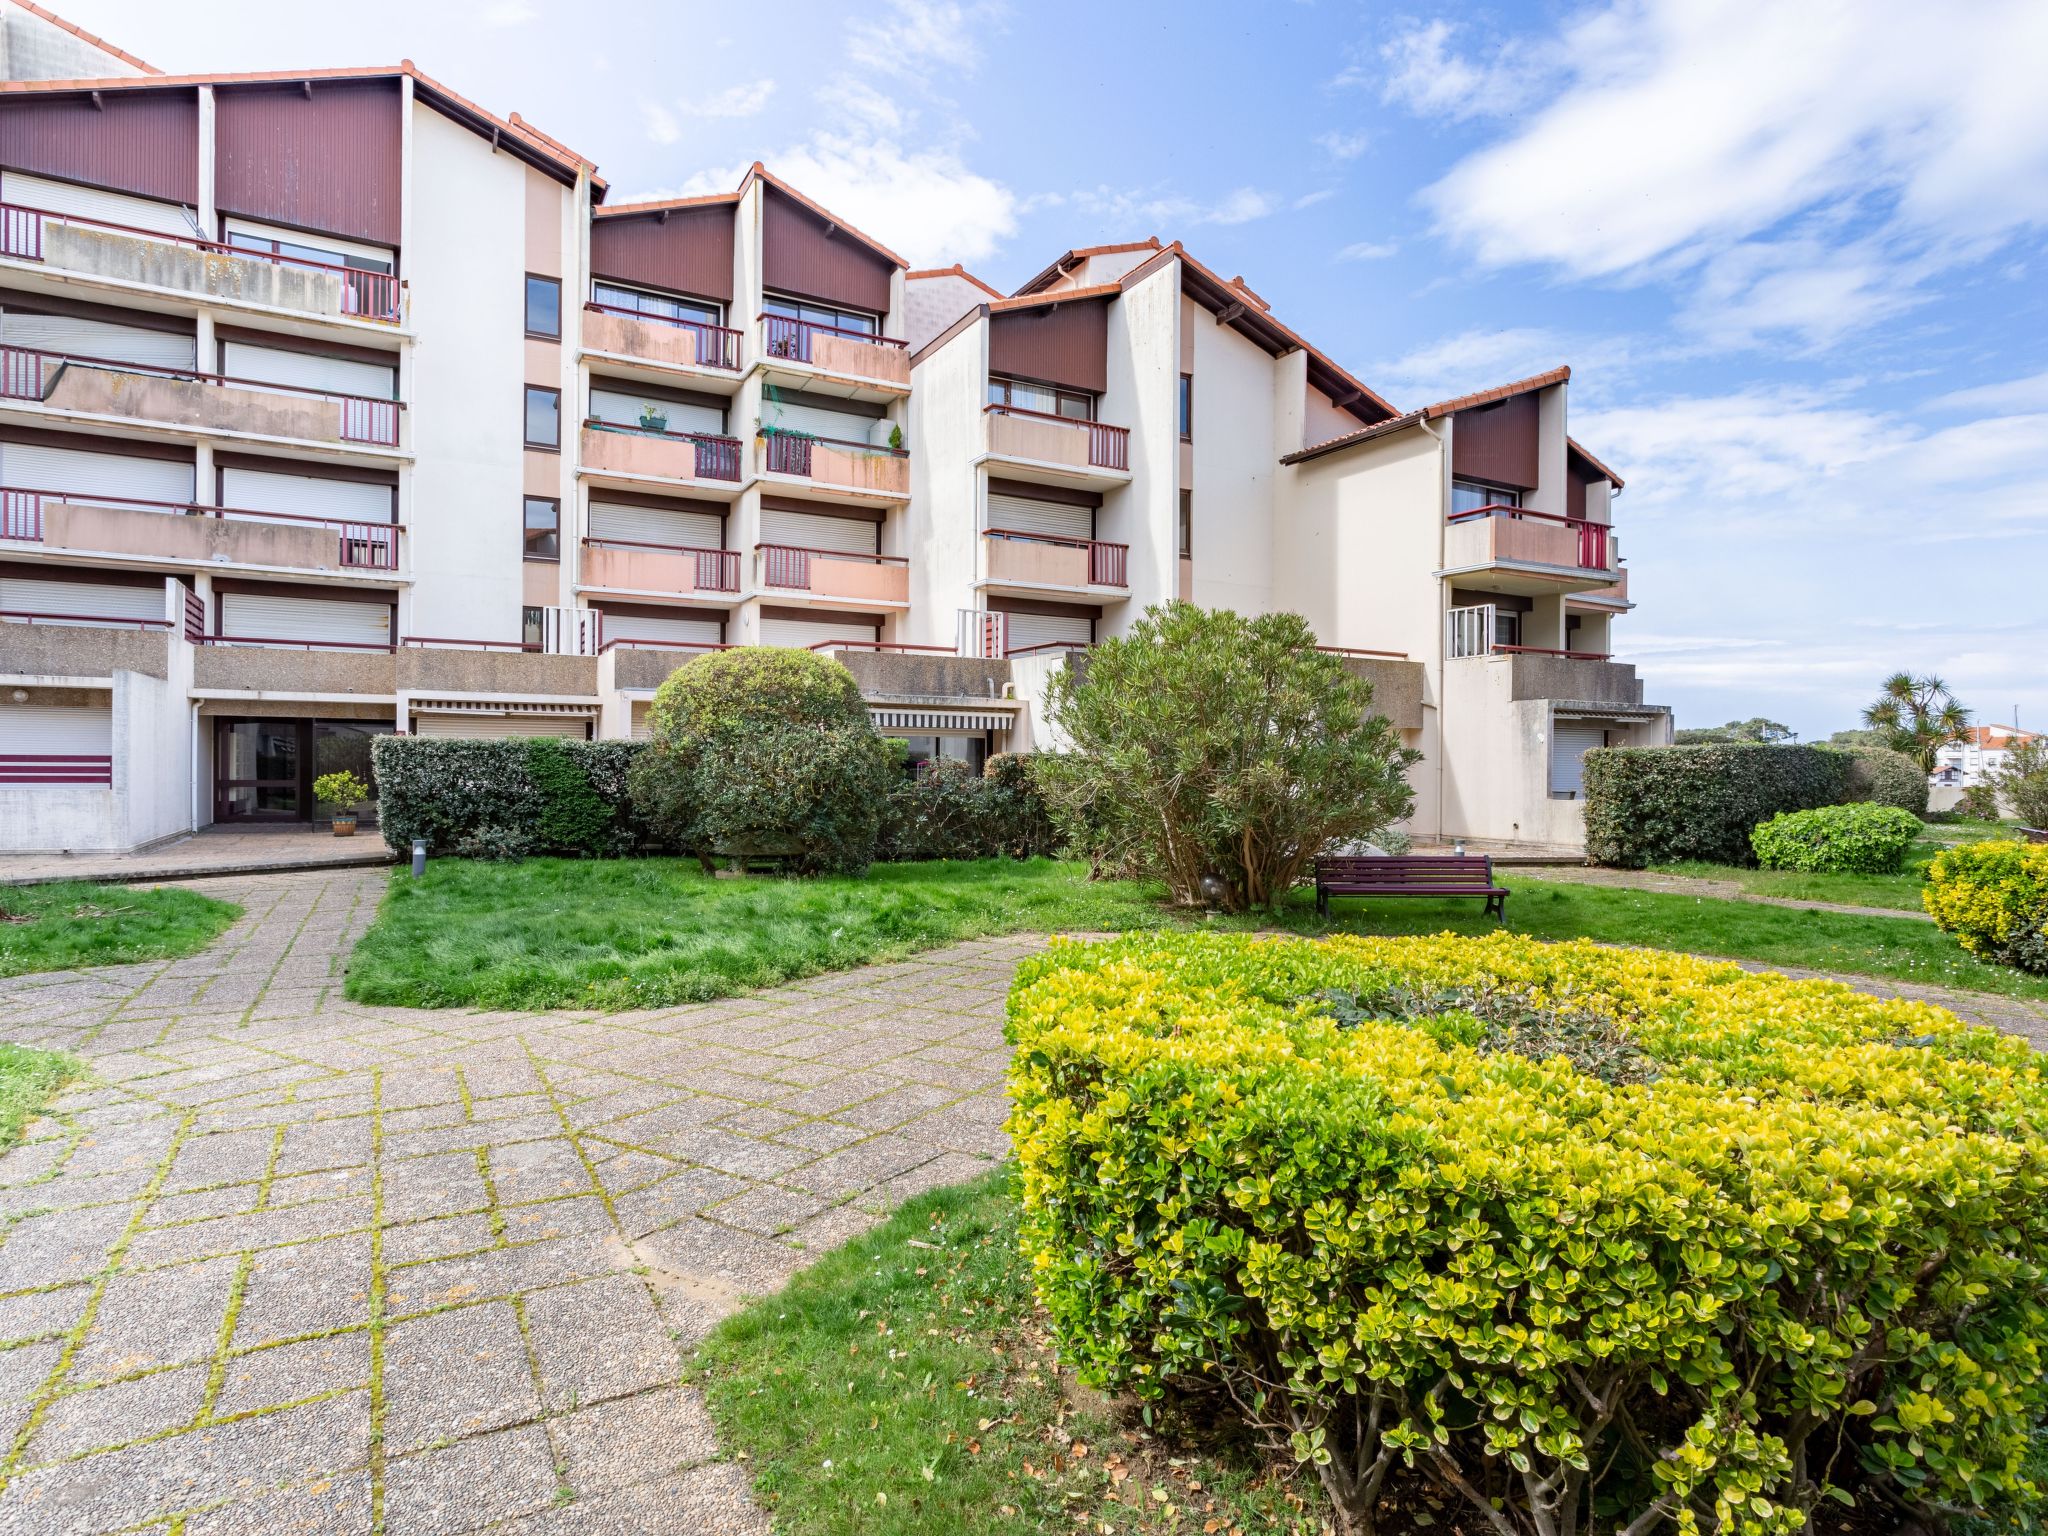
698, 459
1060, 450
829, 360
806, 462
1013, 561
183, 398
834, 578
709, 353
1531, 552
79, 646
629, 565
293, 666
184, 533
120, 253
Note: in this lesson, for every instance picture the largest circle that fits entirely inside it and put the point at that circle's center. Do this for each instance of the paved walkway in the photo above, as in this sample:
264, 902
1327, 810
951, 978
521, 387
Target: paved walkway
215, 850
304, 1266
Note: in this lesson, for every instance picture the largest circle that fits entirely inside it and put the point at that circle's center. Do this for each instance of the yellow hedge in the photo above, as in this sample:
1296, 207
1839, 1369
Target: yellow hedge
1803, 1260
1994, 897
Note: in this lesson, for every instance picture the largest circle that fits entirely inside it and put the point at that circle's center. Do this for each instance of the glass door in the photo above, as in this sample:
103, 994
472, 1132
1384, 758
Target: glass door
260, 771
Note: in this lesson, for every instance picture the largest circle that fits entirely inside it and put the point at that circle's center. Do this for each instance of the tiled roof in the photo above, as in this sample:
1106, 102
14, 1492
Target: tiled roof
956, 270
79, 32
1060, 296
1575, 446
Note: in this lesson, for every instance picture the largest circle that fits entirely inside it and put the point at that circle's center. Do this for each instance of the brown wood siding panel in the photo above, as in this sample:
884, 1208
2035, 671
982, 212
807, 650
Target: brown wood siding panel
997, 486
1041, 606
690, 252
144, 142
329, 162
821, 509
799, 258
16, 571
1497, 444
1068, 345
1575, 482
86, 442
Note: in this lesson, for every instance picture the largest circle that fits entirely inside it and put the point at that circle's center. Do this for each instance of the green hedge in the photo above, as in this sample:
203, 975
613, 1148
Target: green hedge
1655, 805
1591, 1239
1837, 840
1994, 897
948, 811
506, 798
1884, 777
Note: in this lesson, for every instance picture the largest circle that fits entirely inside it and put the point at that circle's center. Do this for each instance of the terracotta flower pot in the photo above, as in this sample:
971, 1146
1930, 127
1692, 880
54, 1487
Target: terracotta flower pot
345, 824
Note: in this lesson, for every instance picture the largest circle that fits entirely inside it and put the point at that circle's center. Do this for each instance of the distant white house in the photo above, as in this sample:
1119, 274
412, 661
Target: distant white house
1985, 750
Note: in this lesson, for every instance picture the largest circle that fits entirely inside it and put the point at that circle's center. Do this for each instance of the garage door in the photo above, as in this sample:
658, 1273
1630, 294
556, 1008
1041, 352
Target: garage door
1030, 630
800, 633
1570, 741
264, 490
683, 624
1027, 514
492, 727
26, 191
98, 339
807, 530
34, 467
81, 602
307, 370
655, 525
335, 620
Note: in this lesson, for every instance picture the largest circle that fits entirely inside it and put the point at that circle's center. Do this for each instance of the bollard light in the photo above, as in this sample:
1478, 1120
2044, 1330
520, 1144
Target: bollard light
419, 857
1457, 848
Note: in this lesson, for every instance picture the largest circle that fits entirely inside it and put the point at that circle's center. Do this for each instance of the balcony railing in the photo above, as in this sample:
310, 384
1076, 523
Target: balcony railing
1594, 543
837, 461
891, 647
300, 643
114, 621
789, 565
1048, 645
360, 545
717, 346
795, 339
716, 458
1107, 447
364, 295
649, 643
1470, 632
1094, 562
30, 374
716, 570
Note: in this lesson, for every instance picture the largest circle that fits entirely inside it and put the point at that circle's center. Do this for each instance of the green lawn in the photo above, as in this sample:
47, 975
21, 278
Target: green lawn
74, 923
903, 1385
28, 1078
553, 933
1900, 892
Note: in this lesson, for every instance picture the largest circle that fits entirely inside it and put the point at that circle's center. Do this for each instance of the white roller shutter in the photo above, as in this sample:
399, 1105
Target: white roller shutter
1033, 629
807, 530
1569, 744
622, 408
264, 490
340, 375
683, 624
84, 602
253, 616
56, 730
802, 633
98, 339
334, 251
643, 721
1027, 514
34, 467
490, 727
26, 191
655, 525
823, 422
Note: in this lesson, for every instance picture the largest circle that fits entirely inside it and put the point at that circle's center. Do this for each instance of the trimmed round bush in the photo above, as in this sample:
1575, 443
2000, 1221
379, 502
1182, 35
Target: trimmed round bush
1884, 777
1994, 897
1555, 1226
756, 685
1837, 840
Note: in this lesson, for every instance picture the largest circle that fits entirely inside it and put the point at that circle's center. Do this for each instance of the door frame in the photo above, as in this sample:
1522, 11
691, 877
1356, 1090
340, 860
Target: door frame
222, 728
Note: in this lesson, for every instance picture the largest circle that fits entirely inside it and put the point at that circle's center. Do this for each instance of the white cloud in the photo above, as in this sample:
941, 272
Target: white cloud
1424, 75
916, 38
745, 99
1368, 250
508, 13
1343, 146
1310, 199
660, 123
1481, 358
2028, 394
1157, 210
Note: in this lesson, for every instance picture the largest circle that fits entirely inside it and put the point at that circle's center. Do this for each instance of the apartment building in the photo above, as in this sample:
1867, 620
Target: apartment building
1983, 752
333, 404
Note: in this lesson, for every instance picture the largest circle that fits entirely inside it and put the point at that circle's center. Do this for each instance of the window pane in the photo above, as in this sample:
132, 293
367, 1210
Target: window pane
1507, 628
1077, 407
529, 620
1032, 397
1187, 406
543, 529
998, 391
543, 306
1470, 495
543, 417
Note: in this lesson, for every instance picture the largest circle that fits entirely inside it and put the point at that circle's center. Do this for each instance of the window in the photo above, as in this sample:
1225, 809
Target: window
1507, 627
1046, 399
1471, 495
1187, 525
856, 321
544, 307
919, 750
1187, 407
245, 240
661, 306
543, 528
543, 417
531, 633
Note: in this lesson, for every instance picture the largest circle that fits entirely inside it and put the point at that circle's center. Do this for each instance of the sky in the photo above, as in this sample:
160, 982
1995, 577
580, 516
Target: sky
1794, 253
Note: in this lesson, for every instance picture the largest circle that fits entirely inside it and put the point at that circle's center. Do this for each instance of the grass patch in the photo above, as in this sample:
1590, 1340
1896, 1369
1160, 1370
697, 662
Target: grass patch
637, 933
1900, 892
76, 923
904, 1385
28, 1080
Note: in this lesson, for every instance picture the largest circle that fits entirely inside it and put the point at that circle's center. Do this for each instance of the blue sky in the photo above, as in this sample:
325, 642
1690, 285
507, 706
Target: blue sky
1793, 253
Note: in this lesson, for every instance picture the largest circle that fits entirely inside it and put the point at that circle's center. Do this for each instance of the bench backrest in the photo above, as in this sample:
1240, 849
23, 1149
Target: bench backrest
1406, 869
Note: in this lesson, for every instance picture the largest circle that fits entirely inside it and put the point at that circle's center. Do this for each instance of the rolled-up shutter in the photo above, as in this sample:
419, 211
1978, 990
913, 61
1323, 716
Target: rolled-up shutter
1569, 744
249, 615
823, 422
801, 633
25, 191
683, 624
1027, 630
100, 339
490, 727
643, 721
623, 408
263, 490
308, 370
655, 525
35, 467
81, 602
807, 530
1026, 514
56, 729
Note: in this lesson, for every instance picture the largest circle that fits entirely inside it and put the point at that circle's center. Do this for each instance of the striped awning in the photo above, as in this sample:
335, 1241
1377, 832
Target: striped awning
940, 722
500, 707
1619, 713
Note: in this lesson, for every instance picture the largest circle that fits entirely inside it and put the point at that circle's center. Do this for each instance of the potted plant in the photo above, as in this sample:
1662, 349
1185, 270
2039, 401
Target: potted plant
652, 416
345, 792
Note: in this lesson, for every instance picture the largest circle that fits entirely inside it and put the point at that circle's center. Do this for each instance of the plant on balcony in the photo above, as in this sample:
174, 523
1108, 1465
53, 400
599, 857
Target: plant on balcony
653, 417
1220, 754
1917, 716
762, 752
896, 438
1837, 840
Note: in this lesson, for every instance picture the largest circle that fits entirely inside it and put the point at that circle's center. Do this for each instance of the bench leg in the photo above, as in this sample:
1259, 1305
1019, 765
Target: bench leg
1497, 908
1322, 902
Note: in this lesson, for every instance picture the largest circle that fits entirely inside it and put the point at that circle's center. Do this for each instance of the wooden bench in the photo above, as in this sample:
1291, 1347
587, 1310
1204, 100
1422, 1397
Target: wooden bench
2035, 834
1430, 874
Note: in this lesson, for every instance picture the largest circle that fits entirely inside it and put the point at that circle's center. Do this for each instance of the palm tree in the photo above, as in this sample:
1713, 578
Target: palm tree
1918, 716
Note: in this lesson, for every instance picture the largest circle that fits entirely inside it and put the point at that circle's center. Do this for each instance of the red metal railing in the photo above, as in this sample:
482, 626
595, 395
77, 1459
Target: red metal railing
718, 570
364, 295
717, 458
1108, 447
1544, 650
27, 374
1594, 550
30, 616
718, 346
789, 565
789, 453
363, 546
442, 642
1107, 563
195, 617
880, 645
55, 768
791, 339
644, 643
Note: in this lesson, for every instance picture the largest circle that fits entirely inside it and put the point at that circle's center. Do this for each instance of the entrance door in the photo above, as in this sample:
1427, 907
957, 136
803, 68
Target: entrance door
259, 771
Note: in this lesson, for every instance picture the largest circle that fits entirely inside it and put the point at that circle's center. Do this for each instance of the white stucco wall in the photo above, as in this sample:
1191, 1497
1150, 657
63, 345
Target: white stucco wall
947, 492
933, 303
1236, 456
1143, 377
32, 48
153, 759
